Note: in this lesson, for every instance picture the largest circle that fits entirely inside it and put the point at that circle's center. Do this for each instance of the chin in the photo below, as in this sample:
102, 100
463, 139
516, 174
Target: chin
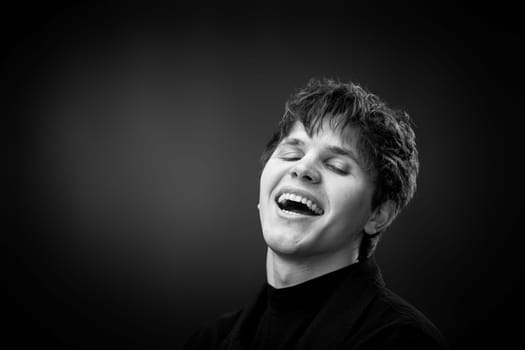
281, 242
286, 244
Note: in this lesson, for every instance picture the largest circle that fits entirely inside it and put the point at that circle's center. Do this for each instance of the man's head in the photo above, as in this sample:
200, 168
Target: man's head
337, 171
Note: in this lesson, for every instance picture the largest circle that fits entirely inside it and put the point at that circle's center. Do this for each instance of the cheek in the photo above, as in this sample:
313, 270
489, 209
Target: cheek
264, 184
353, 205
270, 177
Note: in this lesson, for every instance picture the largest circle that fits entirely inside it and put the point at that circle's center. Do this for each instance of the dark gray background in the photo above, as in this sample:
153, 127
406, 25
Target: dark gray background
133, 137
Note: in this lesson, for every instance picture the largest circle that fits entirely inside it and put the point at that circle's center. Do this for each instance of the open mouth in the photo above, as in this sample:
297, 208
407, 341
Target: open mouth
298, 204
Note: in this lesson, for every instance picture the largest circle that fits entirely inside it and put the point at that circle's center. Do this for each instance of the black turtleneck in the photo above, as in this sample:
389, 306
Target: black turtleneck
349, 308
289, 311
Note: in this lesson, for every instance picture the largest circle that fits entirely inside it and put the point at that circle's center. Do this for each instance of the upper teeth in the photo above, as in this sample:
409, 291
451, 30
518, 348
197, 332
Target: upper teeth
296, 198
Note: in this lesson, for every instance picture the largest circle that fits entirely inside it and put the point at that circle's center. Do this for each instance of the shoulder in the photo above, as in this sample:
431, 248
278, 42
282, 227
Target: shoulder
399, 310
402, 336
212, 334
393, 323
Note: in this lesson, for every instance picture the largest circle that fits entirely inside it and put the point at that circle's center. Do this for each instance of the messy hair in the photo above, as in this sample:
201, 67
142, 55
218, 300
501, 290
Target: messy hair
386, 140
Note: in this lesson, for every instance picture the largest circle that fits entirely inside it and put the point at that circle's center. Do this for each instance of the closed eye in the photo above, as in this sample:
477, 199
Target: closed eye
338, 168
287, 152
290, 155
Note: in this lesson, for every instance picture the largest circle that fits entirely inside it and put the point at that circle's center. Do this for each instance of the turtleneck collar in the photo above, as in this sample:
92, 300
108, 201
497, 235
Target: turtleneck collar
307, 295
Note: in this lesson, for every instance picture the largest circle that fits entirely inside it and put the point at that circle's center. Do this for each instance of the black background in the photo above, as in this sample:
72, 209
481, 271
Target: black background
133, 134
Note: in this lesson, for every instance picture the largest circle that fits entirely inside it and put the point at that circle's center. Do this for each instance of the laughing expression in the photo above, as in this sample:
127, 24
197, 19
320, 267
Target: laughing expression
315, 195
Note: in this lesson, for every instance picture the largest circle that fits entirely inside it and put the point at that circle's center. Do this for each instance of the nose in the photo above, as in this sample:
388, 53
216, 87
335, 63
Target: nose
306, 172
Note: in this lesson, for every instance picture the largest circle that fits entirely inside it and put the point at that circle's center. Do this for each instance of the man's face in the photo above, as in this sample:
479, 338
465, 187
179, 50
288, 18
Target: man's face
315, 196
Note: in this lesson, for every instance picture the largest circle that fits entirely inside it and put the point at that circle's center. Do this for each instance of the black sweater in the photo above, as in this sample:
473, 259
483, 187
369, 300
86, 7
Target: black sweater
289, 311
347, 309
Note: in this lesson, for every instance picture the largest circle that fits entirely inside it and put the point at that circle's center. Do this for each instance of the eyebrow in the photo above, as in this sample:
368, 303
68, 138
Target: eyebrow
344, 152
334, 149
292, 141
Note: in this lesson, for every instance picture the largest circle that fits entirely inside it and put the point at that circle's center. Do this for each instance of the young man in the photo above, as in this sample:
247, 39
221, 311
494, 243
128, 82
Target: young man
336, 173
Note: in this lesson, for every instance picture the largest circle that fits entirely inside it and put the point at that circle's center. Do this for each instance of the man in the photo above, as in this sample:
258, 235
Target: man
336, 173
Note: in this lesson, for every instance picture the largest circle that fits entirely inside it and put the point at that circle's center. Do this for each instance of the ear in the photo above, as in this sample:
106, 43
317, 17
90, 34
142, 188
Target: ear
380, 218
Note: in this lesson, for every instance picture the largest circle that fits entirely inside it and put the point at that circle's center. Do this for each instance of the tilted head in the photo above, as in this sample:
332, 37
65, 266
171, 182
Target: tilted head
383, 137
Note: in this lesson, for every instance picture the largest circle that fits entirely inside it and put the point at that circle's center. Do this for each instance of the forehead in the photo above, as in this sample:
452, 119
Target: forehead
325, 133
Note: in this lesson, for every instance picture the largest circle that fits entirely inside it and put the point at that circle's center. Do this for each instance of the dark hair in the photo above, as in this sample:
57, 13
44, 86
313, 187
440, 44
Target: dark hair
386, 138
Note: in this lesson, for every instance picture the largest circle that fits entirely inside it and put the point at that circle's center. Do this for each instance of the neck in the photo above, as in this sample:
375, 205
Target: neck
286, 270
